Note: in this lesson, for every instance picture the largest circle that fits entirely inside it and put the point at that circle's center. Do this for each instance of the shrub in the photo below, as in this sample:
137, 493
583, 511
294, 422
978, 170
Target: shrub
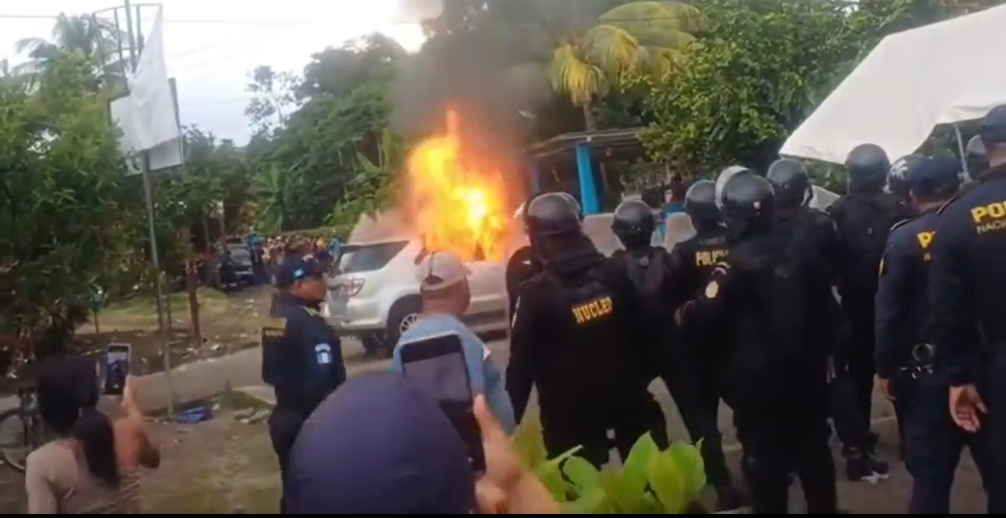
650, 481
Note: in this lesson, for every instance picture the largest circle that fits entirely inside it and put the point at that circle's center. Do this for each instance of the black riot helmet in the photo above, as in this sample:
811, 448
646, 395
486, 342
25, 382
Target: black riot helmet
572, 199
748, 205
867, 166
725, 176
700, 205
791, 184
551, 214
634, 223
976, 158
897, 179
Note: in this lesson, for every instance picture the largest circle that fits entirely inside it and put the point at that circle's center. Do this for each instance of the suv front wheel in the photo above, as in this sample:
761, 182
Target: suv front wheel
403, 314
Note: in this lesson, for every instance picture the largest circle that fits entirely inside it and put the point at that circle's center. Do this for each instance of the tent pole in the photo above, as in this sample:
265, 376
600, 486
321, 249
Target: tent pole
960, 148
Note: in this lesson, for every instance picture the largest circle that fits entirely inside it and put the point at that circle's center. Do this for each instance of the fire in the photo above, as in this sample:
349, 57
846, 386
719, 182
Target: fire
456, 198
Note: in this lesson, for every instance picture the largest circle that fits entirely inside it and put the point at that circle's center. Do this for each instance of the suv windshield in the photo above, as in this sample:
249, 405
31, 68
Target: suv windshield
368, 258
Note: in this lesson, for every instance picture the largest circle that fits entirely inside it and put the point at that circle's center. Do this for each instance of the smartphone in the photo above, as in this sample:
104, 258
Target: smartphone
437, 366
117, 360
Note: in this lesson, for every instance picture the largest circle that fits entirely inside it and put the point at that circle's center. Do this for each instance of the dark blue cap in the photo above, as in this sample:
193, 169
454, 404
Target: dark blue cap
298, 267
935, 177
379, 445
993, 130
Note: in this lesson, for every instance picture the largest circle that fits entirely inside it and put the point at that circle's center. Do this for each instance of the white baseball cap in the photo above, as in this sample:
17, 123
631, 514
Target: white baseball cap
440, 270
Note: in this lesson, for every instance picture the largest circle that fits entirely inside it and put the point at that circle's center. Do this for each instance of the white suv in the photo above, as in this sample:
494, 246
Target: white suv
374, 294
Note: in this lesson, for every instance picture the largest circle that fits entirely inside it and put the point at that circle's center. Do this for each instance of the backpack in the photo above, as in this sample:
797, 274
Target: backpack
863, 223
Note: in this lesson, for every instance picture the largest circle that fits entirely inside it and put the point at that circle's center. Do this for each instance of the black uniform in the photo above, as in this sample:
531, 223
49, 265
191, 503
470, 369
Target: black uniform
691, 263
813, 235
777, 367
968, 290
573, 336
522, 266
863, 218
302, 361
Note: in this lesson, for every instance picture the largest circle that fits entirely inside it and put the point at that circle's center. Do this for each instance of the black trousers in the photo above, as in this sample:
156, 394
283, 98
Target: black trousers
283, 429
629, 420
934, 450
851, 426
699, 411
776, 445
860, 355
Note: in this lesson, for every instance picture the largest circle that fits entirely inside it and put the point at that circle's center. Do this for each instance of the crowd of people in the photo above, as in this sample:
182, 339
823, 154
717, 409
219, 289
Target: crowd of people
786, 314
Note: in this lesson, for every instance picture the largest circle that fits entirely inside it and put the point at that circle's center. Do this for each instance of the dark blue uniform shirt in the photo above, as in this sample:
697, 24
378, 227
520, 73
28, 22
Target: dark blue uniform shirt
902, 306
301, 355
968, 279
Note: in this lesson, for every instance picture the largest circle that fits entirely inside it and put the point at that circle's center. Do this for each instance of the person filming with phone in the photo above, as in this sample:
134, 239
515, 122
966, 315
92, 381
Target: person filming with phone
301, 354
444, 288
92, 466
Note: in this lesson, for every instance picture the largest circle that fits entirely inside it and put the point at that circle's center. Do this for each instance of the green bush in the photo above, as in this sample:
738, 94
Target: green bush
649, 482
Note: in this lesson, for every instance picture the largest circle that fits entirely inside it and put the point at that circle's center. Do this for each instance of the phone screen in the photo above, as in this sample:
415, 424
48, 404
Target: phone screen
117, 359
437, 366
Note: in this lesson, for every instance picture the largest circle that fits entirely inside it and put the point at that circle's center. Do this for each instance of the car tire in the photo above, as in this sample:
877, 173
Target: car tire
402, 315
375, 345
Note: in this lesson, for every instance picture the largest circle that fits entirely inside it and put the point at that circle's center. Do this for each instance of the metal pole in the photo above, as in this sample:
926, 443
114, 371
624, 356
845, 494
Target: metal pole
149, 193
960, 148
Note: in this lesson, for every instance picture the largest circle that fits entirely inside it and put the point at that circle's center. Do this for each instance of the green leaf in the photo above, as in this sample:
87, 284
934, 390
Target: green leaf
635, 470
528, 442
667, 484
550, 476
583, 476
688, 460
621, 496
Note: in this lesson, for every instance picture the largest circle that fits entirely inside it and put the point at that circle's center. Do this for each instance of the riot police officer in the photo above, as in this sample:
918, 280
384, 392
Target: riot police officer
521, 266
301, 354
863, 218
771, 301
968, 292
691, 263
904, 358
574, 336
813, 232
897, 179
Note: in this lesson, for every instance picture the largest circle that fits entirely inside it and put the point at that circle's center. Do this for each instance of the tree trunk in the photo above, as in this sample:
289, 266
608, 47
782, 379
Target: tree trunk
192, 285
208, 244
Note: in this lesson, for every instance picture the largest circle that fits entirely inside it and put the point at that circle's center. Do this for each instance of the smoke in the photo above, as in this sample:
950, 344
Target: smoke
493, 73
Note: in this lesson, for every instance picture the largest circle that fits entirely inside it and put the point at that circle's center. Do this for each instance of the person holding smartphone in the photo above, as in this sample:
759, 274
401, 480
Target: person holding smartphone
301, 354
444, 288
93, 465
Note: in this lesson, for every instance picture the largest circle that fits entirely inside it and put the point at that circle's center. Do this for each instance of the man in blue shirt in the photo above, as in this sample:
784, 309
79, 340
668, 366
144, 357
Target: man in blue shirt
444, 288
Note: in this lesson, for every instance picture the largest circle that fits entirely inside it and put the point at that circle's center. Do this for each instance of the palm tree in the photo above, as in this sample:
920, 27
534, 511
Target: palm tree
634, 38
89, 37
270, 188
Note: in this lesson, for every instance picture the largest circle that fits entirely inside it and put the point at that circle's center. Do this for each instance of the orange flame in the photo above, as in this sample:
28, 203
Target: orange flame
456, 200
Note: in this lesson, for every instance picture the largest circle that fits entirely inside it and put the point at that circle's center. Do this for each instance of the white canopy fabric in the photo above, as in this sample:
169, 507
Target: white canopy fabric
911, 82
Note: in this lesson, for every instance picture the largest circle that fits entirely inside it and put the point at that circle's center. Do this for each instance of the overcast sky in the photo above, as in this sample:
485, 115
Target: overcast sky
211, 45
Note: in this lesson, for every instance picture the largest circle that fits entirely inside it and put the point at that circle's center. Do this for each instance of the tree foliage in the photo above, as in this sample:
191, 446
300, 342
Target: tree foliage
762, 68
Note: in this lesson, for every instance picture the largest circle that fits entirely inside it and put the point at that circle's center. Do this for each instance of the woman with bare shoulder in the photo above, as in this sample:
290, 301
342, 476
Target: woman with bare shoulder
93, 464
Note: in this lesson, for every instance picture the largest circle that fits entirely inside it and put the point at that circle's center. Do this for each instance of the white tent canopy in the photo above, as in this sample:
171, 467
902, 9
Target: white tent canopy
911, 82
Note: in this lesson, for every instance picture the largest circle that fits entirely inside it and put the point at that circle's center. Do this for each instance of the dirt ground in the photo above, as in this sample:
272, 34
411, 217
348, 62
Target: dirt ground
226, 466
229, 322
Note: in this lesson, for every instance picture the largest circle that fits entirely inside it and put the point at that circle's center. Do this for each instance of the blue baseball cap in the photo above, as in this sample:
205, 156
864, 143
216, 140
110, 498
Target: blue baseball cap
296, 268
993, 128
379, 445
935, 177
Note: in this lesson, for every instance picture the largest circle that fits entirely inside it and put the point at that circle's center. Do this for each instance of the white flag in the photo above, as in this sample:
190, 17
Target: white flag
152, 110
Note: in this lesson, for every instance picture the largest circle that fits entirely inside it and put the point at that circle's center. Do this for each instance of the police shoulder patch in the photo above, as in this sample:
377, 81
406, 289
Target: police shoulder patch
712, 289
721, 267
